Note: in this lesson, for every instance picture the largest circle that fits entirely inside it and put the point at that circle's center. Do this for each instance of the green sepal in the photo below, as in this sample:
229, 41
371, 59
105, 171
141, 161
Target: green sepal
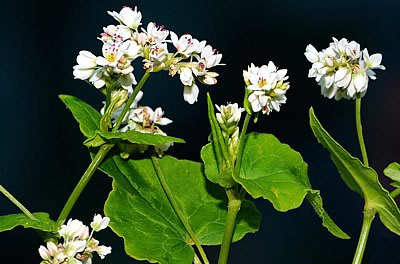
359, 178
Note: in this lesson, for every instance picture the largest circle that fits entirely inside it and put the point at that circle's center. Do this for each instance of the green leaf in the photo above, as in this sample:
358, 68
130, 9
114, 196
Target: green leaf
42, 222
392, 171
87, 117
274, 171
359, 178
209, 159
135, 137
141, 213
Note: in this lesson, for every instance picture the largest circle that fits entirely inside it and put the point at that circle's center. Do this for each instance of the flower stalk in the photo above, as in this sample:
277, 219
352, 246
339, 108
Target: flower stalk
96, 161
138, 87
369, 214
359, 131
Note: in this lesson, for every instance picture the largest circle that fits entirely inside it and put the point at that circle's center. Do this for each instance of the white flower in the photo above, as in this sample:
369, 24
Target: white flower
187, 45
186, 76
267, 87
71, 248
99, 223
311, 54
210, 57
143, 119
155, 33
72, 229
343, 70
128, 17
103, 251
86, 65
158, 118
78, 245
114, 33
117, 58
190, 93
50, 251
158, 52
229, 114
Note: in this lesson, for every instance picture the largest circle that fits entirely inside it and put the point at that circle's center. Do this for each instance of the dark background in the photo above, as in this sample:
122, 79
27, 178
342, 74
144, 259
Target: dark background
42, 156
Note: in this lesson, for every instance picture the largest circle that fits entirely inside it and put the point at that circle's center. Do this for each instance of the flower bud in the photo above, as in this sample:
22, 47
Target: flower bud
44, 253
229, 115
234, 144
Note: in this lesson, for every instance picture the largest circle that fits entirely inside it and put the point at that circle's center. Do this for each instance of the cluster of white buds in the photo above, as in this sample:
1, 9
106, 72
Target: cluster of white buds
267, 87
343, 70
228, 119
123, 43
78, 245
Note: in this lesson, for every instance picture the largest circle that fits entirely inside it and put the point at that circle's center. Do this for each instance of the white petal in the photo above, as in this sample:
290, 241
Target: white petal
190, 93
360, 81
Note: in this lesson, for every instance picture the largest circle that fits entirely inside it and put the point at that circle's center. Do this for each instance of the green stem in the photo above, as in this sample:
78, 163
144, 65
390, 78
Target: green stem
104, 149
395, 193
234, 203
109, 87
241, 143
17, 203
196, 259
176, 209
359, 131
233, 209
131, 99
369, 216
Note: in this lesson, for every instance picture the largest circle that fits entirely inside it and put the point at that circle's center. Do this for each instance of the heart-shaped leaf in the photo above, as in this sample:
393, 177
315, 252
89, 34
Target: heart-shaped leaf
87, 117
359, 178
275, 172
140, 211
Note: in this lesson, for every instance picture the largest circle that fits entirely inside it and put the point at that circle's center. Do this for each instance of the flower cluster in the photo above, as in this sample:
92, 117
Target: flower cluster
228, 119
266, 86
123, 43
201, 58
78, 246
143, 119
343, 69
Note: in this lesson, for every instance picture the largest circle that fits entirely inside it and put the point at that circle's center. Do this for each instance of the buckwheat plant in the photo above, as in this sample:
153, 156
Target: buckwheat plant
343, 70
165, 209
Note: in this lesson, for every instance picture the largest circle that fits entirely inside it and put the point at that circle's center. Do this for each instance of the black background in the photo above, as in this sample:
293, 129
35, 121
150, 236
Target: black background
42, 156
